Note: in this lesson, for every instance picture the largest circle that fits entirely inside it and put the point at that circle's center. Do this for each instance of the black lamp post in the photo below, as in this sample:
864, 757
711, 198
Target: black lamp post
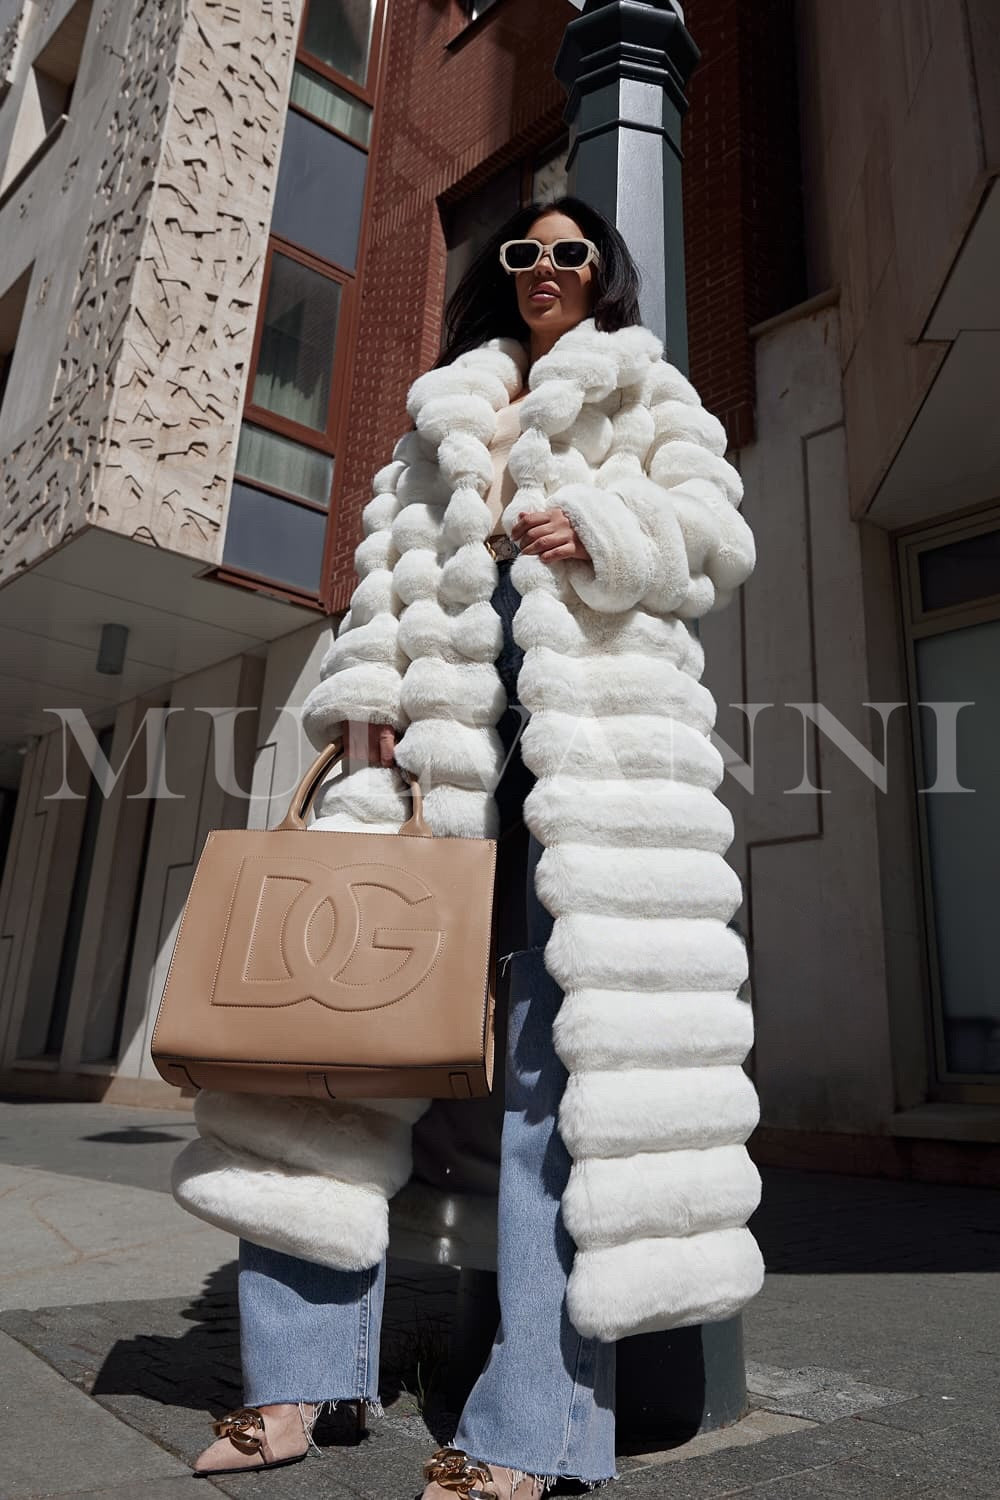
625, 65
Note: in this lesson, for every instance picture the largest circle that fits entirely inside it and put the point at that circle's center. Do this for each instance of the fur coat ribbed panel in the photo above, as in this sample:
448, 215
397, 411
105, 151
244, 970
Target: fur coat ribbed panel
657, 1107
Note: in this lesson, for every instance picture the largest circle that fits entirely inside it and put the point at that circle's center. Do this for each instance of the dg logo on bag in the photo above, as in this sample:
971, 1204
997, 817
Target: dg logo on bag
349, 938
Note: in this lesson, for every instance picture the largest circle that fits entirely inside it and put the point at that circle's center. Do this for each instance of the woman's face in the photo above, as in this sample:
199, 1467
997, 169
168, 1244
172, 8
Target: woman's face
552, 301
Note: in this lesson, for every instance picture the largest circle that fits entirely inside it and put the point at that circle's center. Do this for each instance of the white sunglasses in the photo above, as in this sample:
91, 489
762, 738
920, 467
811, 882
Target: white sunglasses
565, 255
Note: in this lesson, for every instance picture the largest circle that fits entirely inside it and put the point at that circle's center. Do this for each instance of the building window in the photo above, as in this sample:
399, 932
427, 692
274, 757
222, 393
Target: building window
12, 304
56, 66
952, 599
275, 539
48, 92
338, 34
320, 192
298, 334
472, 220
6, 360
476, 8
316, 96
549, 175
285, 464
961, 572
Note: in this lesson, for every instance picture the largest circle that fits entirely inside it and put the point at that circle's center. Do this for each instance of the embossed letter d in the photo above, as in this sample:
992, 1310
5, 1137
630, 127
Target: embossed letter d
297, 931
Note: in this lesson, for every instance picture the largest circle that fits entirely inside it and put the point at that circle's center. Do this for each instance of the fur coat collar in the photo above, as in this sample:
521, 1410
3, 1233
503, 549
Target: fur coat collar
652, 1031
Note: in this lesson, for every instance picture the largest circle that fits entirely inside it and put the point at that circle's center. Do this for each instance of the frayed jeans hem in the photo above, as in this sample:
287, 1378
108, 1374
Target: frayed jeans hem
545, 1480
373, 1406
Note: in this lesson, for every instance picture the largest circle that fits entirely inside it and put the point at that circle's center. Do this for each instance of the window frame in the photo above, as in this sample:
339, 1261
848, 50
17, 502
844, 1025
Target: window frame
307, 114
41, 68
285, 593
323, 440
366, 91
527, 168
228, 571
468, 8
19, 290
944, 1085
464, 24
327, 443
239, 477
323, 261
330, 441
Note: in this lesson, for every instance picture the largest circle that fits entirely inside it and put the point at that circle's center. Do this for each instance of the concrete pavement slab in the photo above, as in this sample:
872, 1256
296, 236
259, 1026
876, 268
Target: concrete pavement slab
133, 1303
920, 1462
923, 1414
815, 1392
104, 1142
923, 1331
63, 1241
777, 1462
56, 1440
970, 1487
835, 1482
144, 1489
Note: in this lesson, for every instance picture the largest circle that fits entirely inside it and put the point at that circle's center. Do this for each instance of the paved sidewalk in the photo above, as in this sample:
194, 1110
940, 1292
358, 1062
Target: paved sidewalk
873, 1351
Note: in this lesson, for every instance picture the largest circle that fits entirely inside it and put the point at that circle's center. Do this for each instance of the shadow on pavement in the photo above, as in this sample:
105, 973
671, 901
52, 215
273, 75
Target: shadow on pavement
201, 1369
819, 1223
139, 1135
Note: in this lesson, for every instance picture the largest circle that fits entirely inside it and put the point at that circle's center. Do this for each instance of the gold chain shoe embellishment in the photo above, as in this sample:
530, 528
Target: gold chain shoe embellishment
454, 1470
244, 1429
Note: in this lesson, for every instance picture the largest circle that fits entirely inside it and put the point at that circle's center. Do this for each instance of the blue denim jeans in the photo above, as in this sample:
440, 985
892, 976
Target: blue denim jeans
544, 1404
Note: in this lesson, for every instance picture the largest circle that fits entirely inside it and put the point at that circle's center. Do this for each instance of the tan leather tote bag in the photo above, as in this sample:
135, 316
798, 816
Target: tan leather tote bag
334, 964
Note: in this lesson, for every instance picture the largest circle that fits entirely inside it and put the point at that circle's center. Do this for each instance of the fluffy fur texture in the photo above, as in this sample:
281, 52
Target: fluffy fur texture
657, 1107
296, 1175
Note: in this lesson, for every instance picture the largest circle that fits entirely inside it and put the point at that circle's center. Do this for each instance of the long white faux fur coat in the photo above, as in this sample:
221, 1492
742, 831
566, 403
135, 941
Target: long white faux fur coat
657, 1107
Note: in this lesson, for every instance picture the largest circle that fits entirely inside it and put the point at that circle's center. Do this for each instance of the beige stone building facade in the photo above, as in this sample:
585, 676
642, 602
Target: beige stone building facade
139, 145
874, 485
168, 448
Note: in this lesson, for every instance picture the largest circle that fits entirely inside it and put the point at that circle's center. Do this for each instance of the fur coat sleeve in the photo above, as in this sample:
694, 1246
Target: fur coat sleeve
362, 671
660, 514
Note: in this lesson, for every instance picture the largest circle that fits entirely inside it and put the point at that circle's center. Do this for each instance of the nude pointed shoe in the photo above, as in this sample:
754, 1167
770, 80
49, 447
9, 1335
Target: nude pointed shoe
452, 1473
251, 1439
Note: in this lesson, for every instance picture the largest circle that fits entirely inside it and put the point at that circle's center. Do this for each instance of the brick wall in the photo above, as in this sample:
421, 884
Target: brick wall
457, 105
743, 234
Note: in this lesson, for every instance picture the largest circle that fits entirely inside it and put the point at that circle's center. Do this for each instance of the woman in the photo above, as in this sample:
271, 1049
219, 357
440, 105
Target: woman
532, 553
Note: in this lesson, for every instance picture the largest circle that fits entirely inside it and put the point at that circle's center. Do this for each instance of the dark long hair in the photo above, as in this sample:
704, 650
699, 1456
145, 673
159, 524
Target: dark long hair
484, 304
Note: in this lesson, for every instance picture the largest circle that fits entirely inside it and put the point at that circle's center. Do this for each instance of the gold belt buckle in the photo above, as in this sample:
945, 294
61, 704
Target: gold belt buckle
501, 548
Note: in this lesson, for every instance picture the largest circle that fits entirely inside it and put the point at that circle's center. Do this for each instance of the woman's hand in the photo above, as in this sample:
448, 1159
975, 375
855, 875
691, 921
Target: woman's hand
371, 744
549, 536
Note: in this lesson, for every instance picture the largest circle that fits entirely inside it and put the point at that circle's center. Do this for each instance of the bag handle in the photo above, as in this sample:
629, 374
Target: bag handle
415, 825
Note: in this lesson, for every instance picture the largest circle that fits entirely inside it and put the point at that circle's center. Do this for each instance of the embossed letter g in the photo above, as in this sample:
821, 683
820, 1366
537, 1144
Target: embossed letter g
297, 931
